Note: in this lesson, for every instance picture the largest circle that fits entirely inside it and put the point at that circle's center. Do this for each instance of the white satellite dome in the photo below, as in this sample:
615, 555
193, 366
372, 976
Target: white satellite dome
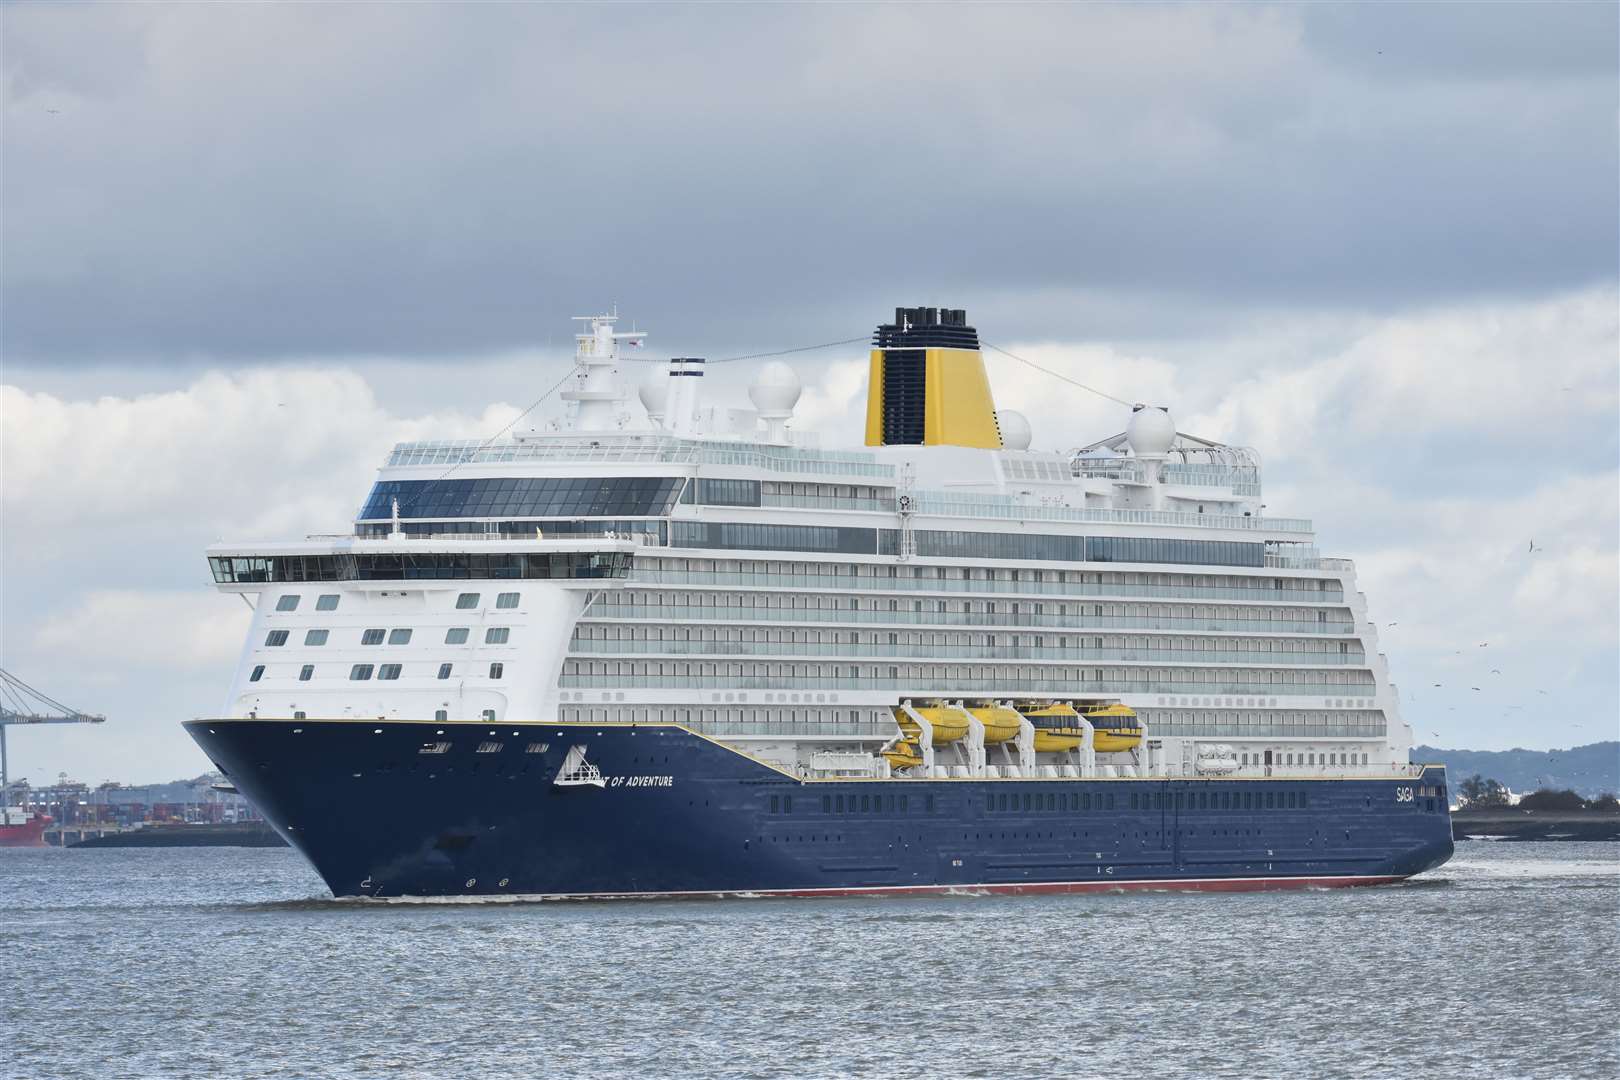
1151, 431
1015, 431
654, 390
775, 390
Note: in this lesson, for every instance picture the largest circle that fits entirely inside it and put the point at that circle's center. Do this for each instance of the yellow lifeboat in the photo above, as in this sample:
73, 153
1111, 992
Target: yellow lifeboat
1117, 728
1000, 723
949, 724
1057, 728
904, 754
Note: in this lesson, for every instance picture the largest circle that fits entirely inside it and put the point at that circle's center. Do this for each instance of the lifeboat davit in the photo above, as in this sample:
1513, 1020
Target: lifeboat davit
1057, 728
1001, 724
949, 724
1116, 727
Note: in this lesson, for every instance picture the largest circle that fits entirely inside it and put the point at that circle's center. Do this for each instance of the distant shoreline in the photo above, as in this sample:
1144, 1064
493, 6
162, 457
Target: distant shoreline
1509, 823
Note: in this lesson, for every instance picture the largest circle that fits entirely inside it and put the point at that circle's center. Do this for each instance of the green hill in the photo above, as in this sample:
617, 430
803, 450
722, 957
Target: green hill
1591, 770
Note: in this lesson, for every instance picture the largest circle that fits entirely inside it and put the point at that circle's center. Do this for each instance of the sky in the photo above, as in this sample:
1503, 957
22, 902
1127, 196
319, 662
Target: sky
245, 249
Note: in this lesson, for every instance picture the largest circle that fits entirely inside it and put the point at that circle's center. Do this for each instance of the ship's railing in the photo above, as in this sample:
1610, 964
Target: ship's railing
1189, 594
956, 685
785, 729
969, 504
963, 652
1082, 622
827, 502
614, 449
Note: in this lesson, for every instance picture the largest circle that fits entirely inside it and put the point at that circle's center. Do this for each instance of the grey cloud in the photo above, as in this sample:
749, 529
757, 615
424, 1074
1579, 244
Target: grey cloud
252, 182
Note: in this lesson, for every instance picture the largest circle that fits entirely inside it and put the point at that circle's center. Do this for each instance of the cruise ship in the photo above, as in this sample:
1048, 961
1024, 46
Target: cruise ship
657, 645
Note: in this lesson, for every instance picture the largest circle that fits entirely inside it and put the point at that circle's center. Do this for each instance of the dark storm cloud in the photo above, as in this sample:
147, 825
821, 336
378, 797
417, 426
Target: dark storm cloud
254, 182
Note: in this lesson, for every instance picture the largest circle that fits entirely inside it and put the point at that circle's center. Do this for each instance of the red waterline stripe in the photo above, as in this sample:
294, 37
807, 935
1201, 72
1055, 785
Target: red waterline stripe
1015, 889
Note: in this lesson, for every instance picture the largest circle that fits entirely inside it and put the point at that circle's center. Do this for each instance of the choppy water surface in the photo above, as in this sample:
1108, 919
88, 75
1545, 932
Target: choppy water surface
230, 962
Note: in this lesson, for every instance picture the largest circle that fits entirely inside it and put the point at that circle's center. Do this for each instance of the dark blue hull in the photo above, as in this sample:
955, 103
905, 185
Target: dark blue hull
679, 814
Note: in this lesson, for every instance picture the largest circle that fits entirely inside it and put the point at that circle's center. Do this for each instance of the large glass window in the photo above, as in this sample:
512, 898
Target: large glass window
287, 603
725, 534
315, 637
497, 635
507, 600
496, 670
467, 601
961, 544
399, 637
326, 602
276, 637
388, 671
407, 566
372, 637
444, 671
523, 496
306, 673
456, 635
360, 672
257, 674
727, 492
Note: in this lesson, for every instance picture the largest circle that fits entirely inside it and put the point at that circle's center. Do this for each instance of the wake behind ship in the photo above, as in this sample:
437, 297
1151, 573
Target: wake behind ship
692, 653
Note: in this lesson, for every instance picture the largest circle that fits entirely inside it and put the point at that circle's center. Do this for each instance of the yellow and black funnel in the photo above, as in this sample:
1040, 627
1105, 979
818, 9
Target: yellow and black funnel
928, 383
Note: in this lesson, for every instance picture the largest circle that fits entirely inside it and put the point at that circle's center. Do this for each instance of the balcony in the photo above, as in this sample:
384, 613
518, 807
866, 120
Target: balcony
956, 686
670, 613
839, 650
644, 575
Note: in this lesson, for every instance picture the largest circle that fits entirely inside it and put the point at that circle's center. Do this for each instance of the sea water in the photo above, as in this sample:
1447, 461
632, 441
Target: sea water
230, 962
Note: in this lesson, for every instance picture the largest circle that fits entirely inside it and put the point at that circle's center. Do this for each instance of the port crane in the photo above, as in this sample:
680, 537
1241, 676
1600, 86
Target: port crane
22, 704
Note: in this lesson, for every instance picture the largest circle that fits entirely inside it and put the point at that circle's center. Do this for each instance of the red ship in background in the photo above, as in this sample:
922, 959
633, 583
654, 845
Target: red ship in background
22, 828
22, 704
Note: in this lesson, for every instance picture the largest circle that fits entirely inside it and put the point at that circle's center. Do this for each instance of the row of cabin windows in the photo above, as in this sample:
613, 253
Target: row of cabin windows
329, 601
1059, 801
456, 635
864, 804
1301, 759
323, 602
1063, 802
362, 672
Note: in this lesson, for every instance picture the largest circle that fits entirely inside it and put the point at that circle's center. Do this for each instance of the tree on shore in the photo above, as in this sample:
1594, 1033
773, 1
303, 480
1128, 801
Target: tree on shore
1548, 799
1606, 802
1478, 791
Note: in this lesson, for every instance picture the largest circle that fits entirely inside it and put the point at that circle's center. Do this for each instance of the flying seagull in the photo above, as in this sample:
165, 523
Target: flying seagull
1483, 644
1473, 688
1533, 548
1496, 671
1436, 684
1394, 624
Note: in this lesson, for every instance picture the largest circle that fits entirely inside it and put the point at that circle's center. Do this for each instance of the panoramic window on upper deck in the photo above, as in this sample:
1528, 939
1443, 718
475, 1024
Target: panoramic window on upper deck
492, 497
315, 637
276, 637
466, 601
287, 603
399, 637
326, 602
507, 600
456, 635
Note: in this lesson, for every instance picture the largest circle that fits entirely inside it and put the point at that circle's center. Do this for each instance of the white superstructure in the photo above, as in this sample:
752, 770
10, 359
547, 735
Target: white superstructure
713, 567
